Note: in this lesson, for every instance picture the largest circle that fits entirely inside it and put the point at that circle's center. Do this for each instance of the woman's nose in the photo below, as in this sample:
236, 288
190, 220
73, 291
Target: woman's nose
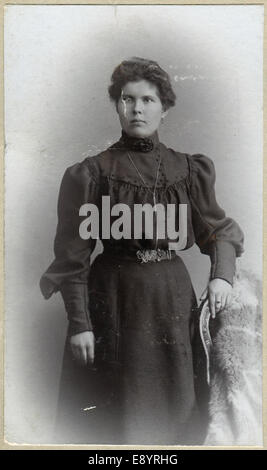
137, 107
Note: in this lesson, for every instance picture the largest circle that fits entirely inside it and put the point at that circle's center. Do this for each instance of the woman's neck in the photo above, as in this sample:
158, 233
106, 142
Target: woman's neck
140, 144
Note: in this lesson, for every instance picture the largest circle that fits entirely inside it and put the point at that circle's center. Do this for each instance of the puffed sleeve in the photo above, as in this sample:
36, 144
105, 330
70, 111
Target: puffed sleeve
69, 271
216, 235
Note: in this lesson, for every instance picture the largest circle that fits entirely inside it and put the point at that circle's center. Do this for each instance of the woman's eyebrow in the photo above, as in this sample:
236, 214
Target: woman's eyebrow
126, 95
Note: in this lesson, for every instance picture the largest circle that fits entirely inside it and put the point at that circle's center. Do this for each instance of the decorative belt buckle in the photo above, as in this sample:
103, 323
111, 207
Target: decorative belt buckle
153, 255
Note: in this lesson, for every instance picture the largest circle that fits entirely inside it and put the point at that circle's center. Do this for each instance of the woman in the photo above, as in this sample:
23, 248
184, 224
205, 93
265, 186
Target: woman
128, 373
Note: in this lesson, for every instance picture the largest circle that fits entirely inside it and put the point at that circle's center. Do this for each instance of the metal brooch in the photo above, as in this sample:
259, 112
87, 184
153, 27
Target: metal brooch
145, 256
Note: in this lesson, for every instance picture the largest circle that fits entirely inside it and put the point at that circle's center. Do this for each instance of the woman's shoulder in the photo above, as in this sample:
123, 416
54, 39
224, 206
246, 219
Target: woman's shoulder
90, 168
195, 160
199, 161
202, 169
190, 166
175, 163
178, 166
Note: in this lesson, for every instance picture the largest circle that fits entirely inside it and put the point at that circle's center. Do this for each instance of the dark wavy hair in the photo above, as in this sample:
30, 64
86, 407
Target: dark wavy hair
135, 69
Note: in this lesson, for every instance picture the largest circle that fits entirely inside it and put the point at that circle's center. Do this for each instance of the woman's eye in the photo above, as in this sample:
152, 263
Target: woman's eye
127, 99
147, 99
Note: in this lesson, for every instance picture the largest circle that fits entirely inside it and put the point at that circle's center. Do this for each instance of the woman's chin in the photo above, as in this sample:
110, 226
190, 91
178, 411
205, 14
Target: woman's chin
139, 133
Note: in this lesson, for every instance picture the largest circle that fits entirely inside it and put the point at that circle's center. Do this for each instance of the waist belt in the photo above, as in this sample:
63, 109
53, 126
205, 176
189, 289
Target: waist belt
146, 256
141, 256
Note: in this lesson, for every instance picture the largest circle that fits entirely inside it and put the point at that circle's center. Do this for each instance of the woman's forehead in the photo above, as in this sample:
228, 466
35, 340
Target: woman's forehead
140, 88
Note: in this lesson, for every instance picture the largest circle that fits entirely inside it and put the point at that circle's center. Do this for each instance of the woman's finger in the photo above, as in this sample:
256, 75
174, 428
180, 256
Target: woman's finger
83, 356
204, 294
223, 302
90, 353
75, 353
80, 355
218, 303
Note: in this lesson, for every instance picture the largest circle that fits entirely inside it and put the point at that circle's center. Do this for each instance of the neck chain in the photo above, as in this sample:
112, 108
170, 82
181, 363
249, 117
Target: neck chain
153, 192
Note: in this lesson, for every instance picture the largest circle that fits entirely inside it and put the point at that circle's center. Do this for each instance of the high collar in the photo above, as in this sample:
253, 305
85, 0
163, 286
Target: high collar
139, 144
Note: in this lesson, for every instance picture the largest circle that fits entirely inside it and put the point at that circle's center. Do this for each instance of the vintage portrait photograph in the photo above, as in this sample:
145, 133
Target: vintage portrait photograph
133, 225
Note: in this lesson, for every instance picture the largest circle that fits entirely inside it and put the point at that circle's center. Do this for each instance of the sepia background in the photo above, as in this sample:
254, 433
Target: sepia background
58, 62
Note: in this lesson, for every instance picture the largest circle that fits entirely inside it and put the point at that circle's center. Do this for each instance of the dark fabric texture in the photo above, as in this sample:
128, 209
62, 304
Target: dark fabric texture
146, 385
141, 388
183, 179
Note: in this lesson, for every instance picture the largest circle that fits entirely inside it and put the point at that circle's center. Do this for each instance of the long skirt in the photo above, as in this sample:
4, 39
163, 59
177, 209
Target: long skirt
148, 373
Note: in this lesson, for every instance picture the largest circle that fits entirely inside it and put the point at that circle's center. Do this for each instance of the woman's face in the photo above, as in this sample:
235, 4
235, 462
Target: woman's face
140, 109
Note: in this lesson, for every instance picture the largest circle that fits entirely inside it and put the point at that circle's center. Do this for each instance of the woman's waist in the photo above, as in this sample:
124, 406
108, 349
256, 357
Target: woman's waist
114, 268
139, 254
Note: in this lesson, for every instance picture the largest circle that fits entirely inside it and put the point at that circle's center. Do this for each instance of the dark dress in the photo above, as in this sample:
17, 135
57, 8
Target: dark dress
142, 387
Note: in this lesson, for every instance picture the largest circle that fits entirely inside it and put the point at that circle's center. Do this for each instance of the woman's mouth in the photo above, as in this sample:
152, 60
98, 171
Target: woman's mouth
137, 121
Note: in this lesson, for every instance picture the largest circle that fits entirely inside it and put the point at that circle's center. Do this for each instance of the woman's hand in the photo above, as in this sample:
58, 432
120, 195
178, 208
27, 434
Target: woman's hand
219, 295
83, 347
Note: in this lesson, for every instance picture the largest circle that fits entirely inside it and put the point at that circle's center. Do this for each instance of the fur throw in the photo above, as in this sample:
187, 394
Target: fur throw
235, 406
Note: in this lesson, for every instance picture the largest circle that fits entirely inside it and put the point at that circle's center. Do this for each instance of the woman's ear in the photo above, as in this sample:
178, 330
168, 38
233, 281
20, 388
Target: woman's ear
164, 113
